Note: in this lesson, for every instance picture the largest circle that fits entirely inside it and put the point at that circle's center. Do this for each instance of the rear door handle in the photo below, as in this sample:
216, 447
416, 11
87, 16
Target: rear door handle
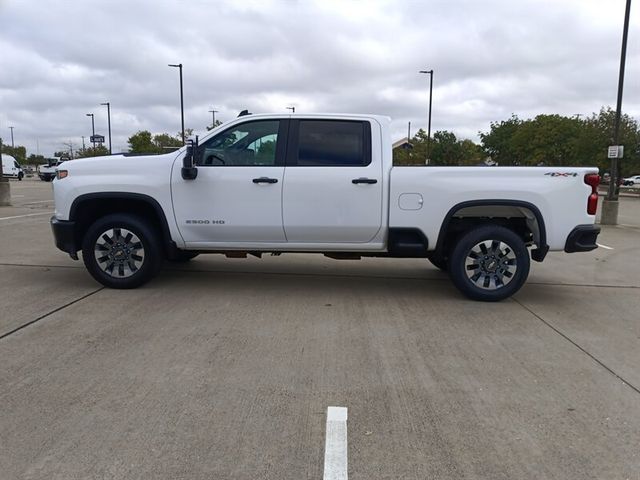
265, 180
369, 181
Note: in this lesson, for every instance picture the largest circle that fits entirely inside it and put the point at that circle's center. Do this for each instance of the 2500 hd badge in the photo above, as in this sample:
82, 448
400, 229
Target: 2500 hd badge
205, 222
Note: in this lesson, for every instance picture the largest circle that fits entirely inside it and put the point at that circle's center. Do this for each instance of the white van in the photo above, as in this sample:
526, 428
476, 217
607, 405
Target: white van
10, 167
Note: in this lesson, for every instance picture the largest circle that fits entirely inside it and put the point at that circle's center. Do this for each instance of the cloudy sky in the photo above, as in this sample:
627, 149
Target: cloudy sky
60, 59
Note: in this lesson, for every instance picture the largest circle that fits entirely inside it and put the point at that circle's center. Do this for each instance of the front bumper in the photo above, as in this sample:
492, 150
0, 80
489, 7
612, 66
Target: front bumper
64, 233
582, 239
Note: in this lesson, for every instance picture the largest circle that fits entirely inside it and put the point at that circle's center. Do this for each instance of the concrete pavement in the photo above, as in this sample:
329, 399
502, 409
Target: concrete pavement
224, 368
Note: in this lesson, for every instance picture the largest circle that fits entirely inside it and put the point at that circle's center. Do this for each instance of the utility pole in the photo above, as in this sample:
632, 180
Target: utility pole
12, 145
83, 149
213, 112
610, 204
70, 145
293, 109
179, 65
430, 72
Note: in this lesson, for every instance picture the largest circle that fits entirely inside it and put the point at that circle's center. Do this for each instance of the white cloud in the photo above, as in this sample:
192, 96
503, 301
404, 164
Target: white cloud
491, 59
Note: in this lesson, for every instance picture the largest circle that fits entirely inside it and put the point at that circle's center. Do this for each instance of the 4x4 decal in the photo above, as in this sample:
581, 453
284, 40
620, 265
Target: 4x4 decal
562, 174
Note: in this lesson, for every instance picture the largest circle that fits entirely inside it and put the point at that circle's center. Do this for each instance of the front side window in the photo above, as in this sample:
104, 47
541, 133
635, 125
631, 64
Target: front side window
247, 144
324, 143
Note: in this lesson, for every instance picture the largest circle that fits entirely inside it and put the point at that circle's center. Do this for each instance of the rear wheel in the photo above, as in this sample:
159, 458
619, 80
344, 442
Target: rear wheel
121, 251
489, 263
20, 175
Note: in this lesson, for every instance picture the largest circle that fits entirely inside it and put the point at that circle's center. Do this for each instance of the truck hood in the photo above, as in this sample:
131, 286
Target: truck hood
121, 164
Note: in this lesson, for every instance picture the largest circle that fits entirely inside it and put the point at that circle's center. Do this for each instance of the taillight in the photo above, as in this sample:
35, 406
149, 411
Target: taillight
593, 180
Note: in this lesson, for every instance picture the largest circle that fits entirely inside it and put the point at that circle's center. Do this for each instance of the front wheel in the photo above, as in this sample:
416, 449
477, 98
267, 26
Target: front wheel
439, 261
121, 251
20, 175
489, 263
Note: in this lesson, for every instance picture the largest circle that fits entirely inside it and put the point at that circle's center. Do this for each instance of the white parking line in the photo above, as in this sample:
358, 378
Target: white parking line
605, 247
335, 447
27, 215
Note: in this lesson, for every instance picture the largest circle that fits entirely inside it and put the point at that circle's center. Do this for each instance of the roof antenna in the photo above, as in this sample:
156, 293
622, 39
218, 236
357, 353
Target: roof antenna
243, 113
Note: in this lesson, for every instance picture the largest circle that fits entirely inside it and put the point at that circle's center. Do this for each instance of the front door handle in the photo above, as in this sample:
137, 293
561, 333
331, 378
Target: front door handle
265, 180
369, 181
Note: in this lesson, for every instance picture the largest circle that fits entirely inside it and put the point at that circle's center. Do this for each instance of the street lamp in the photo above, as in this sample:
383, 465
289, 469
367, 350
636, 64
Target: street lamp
93, 130
109, 122
11, 128
430, 72
293, 109
610, 204
181, 99
213, 112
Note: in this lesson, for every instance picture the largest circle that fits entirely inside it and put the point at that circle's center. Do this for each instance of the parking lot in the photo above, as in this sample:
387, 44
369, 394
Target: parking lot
224, 368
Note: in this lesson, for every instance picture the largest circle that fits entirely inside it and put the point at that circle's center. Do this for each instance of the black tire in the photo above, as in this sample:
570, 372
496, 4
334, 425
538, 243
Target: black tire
439, 262
20, 175
489, 263
128, 261
182, 256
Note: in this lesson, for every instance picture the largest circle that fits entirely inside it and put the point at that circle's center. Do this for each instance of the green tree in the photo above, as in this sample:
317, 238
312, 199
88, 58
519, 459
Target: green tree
141, 142
99, 151
557, 140
498, 142
18, 152
144, 142
217, 124
165, 143
597, 135
446, 149
36, 160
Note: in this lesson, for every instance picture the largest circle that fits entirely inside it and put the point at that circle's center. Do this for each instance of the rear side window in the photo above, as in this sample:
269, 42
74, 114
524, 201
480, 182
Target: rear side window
333, 143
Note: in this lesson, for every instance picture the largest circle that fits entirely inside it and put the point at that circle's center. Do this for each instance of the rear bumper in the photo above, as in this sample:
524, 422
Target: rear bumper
64, 234
582, 239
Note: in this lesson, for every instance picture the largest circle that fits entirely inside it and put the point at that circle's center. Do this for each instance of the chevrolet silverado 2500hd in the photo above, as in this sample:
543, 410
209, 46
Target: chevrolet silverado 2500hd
324, 184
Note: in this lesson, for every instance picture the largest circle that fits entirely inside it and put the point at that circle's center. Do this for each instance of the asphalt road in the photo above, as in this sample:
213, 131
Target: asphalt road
224, 368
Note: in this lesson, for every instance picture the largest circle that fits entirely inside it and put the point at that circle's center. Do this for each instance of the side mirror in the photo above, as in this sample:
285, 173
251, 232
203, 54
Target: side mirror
189, 171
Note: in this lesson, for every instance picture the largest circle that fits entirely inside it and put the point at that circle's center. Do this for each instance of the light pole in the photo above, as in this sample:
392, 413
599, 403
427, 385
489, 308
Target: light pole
181, 99
93, 131
610, 204
108, 122
12, 145
430, 72
213, 113
293, 109
83, 147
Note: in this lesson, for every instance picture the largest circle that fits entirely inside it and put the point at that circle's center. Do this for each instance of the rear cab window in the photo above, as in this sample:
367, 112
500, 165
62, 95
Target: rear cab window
329, 143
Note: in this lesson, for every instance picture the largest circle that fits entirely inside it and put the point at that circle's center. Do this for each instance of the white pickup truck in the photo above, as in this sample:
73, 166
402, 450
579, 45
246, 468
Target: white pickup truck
322, 184
48, 172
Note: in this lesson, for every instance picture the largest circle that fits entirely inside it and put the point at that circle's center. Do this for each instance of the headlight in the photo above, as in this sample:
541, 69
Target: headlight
60, 174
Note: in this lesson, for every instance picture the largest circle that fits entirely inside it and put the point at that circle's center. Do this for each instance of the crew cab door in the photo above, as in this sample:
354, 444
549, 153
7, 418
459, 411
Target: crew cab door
333, 182
237, 195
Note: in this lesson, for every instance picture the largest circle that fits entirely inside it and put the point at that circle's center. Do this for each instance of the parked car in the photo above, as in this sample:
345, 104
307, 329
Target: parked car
318, 184
10, 167
48, 172
631, 181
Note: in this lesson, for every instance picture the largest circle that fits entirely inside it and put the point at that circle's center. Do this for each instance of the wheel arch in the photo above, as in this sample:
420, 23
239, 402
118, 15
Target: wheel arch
502, 209
88, 207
